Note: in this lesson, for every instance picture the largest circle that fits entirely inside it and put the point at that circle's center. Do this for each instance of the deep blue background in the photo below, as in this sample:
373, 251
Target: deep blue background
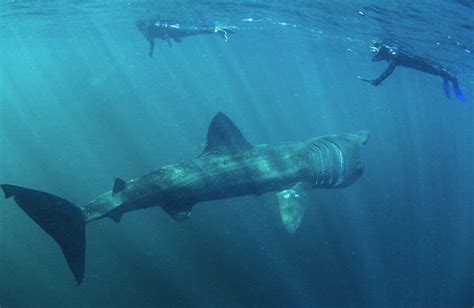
81, 104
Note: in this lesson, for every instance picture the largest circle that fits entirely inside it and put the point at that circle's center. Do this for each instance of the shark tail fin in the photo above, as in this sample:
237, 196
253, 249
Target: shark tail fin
61, 219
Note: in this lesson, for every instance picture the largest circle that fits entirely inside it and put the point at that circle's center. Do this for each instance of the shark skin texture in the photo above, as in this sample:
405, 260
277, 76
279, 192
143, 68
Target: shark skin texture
228, 167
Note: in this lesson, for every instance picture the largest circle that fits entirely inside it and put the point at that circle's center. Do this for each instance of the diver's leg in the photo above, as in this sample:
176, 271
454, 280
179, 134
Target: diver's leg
446, 88
152, 46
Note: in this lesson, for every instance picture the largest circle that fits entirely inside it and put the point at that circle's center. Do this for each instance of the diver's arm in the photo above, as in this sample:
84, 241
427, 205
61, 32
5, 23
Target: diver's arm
388, 71
152, 46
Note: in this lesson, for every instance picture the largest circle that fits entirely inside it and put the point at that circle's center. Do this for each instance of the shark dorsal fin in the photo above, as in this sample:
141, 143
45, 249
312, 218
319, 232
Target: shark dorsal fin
119, 185
224, 136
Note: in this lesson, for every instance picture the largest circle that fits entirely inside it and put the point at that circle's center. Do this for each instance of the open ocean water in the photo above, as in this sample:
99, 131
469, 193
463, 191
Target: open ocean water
81, 103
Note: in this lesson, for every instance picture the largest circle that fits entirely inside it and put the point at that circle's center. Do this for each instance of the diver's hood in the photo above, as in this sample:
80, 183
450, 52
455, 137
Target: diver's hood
382, 53
376, 50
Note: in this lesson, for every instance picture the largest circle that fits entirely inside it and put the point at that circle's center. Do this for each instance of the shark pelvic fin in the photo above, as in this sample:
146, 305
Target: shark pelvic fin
119, 185
293, 203
61, 219
224, 136
178, 213
115, 216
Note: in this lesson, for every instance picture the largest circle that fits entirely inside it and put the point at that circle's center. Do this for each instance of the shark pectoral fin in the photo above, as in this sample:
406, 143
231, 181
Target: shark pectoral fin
178, 213
292, 204
119, 185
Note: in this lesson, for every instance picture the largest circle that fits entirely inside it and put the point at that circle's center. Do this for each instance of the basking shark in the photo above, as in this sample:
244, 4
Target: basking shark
228, 167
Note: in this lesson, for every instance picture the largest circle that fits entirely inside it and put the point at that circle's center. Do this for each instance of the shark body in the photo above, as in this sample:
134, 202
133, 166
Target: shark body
228, 167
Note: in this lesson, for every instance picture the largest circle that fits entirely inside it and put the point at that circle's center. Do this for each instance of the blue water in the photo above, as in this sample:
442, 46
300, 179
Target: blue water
81, 103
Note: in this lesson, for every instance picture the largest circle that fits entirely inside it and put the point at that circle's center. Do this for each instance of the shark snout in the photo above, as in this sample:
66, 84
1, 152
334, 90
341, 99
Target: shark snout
363, 136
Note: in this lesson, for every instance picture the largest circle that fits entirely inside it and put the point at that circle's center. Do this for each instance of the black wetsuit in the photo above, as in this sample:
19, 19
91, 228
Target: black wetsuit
168, 30
398, 58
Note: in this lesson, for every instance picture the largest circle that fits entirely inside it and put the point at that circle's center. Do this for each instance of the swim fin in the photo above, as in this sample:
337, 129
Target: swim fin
458, 93
446, 88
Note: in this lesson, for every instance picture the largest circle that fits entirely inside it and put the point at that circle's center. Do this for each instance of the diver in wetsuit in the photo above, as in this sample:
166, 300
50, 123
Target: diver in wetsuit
396, 58
167, 30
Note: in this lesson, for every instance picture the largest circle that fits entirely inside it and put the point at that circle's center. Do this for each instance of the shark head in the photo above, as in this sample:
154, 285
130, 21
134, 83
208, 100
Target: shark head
337, 160
351, 145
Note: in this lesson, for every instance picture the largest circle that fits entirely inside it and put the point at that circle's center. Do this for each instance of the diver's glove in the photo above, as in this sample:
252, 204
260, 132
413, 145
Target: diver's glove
373, 82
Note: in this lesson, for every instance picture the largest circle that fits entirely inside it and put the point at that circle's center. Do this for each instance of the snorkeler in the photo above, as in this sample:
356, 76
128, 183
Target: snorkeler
168, 31
396, 58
